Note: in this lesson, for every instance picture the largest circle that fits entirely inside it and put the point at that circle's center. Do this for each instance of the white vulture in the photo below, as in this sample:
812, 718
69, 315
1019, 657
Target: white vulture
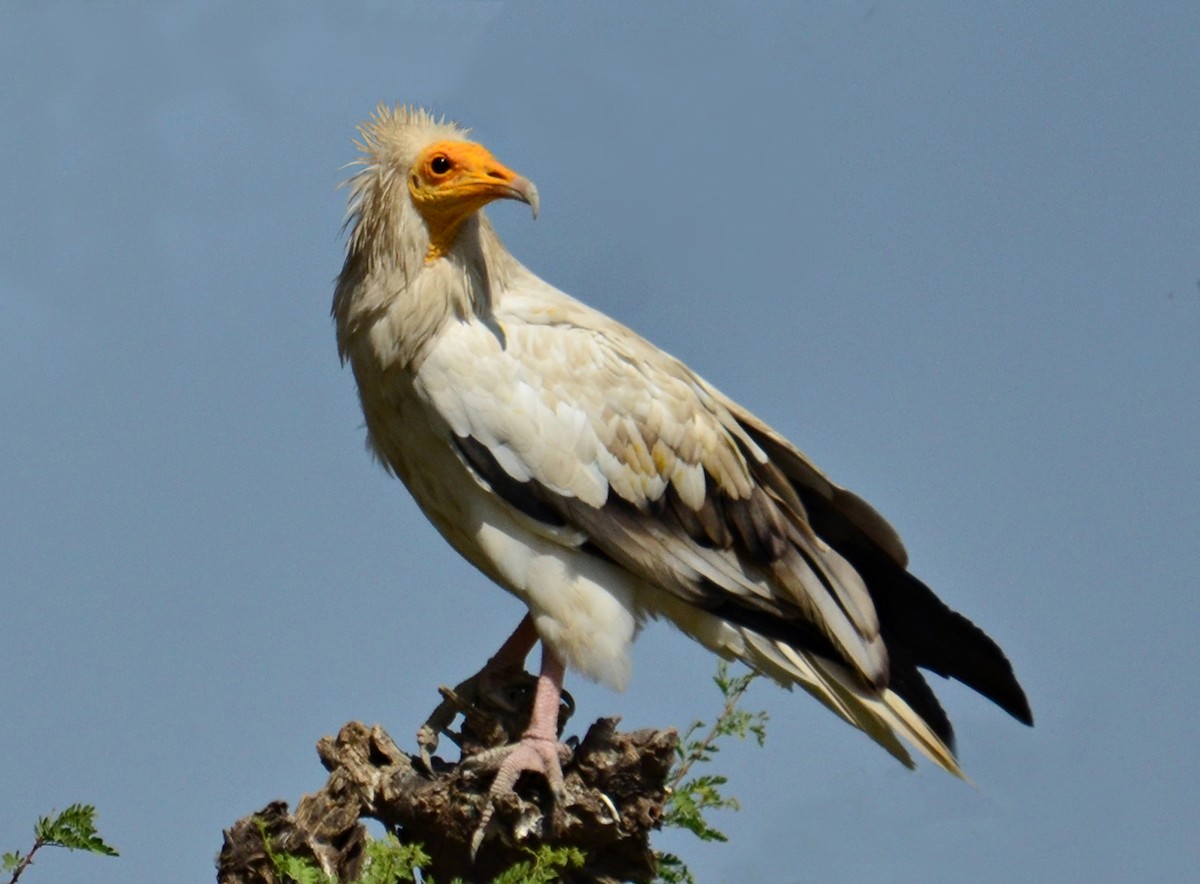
603, 482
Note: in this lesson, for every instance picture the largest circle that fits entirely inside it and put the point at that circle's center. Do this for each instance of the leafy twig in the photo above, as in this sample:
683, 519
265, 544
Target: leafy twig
731, 721
74, 829
388, 861
544, 866
690, 799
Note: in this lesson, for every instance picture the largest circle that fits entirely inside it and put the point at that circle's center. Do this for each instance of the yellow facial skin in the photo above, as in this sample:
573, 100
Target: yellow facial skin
451, 180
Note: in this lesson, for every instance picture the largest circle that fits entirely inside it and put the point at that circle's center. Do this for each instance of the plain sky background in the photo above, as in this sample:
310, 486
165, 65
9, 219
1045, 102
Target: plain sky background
952, 250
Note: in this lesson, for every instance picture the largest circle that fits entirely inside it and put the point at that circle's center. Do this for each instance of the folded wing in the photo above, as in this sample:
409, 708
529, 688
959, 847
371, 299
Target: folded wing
576, 421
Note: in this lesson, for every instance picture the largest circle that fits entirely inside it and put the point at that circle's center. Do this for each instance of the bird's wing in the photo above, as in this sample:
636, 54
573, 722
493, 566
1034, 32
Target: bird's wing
804, 474
594, 426
579, 423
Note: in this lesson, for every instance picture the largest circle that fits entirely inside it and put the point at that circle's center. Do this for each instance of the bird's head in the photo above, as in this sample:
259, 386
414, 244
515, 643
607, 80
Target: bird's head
420, 171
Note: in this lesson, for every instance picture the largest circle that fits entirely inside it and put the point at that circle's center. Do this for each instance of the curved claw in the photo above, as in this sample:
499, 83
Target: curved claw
427, 741
534, 753
439, 721
608, 802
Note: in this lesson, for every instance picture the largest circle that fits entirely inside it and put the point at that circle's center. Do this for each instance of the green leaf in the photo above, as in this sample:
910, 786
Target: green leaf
543, 867
301, 870
673, 870
289, 867
389, 861
74, 829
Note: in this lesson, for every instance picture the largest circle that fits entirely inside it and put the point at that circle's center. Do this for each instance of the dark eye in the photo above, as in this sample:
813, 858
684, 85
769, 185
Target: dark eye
440, 165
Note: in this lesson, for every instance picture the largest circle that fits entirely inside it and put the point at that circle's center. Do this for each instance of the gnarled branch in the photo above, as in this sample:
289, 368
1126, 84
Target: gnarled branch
615, 791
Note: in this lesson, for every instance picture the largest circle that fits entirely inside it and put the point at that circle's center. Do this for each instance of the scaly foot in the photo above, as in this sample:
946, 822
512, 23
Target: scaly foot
538, 751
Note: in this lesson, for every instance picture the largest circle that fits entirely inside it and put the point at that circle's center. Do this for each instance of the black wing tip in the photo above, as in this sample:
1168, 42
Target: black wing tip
992, 674
1020, 710
1001, 687
1011, 698
943, 641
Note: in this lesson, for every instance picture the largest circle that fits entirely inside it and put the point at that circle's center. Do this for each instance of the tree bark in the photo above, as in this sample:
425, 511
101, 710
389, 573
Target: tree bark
615, 791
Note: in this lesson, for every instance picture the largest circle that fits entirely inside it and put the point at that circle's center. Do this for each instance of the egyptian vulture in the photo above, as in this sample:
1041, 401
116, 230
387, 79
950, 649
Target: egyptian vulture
603, 482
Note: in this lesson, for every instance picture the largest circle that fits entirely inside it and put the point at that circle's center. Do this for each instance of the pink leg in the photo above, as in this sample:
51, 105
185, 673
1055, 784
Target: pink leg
512, 654
539, 749
503, 665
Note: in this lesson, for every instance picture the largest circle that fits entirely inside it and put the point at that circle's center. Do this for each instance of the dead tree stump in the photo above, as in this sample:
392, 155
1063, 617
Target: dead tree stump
615, 791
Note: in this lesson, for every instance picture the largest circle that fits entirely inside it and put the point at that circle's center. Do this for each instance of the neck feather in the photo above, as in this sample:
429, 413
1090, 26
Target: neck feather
392, 297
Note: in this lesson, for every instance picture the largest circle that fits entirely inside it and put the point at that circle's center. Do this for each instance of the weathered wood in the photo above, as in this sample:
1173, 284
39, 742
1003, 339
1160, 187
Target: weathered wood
615, 790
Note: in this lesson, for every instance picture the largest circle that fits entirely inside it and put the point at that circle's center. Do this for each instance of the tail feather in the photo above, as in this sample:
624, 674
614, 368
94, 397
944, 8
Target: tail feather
883, 715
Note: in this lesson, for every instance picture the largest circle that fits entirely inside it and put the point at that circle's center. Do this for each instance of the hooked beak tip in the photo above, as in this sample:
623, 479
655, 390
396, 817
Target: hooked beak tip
526, 192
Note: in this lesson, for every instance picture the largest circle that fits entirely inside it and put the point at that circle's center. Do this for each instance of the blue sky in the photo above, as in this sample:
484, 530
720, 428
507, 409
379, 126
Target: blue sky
952, 250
